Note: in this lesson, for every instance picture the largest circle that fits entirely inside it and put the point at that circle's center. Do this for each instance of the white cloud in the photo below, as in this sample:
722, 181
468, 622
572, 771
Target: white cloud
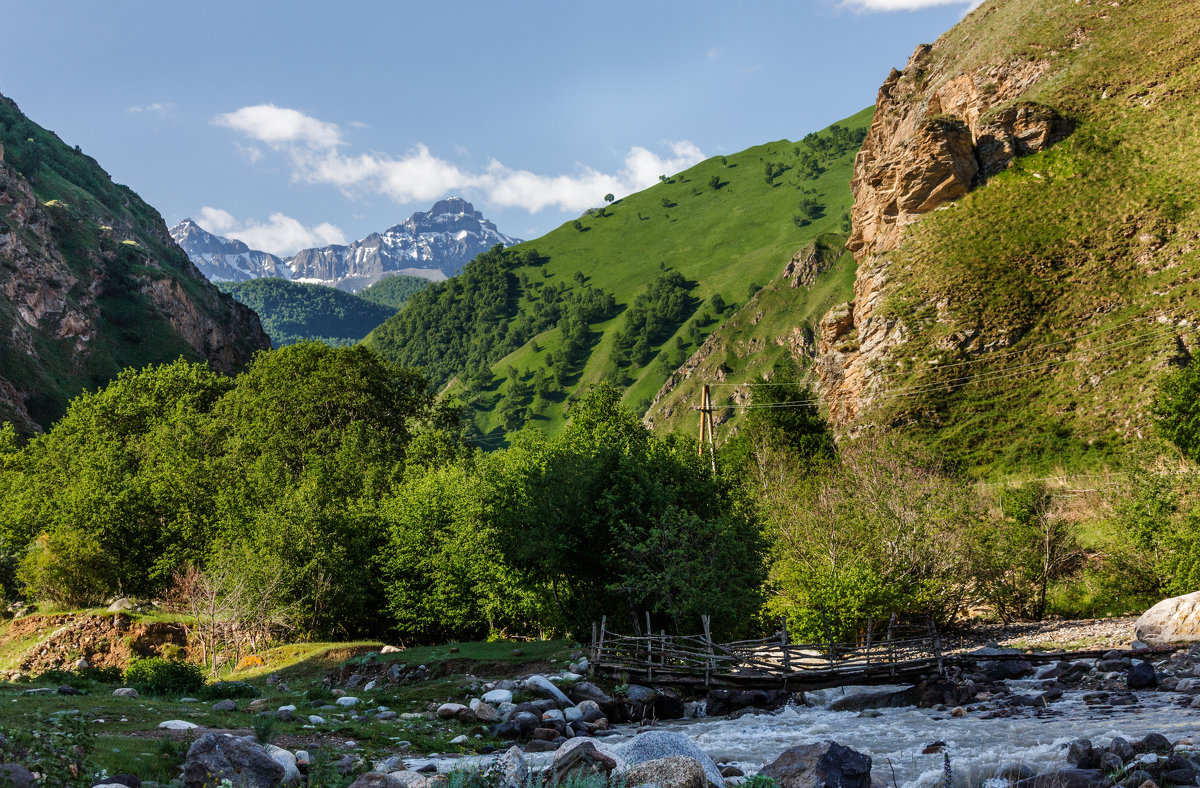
163, 108
280, 126
314, 148
280, 234
903, 5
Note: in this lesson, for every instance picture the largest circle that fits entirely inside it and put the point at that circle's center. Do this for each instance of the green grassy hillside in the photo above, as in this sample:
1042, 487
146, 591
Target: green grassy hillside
1079, 268
727, 226
294, 311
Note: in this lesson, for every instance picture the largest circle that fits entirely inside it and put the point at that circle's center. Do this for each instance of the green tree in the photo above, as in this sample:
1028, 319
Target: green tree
609, 197
714, 182
1177, 409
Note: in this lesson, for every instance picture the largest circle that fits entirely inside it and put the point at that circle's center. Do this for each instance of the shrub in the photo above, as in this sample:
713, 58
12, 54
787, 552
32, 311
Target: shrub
66, 567
56, 747
159, 676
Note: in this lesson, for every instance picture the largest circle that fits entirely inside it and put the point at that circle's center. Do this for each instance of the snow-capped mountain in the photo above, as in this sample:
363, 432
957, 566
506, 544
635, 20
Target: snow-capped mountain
224, 259
434, 244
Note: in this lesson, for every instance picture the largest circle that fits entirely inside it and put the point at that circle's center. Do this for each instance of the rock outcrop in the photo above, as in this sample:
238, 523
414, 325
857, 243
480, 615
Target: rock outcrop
90, 282
935, 136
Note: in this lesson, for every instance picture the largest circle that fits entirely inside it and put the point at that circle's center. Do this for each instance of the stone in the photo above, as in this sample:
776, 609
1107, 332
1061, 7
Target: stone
125, 692
1122, 749
177, 725
511, 768
538, 745
1082, 755
16, 776
1110, 762
652, 745
729, 770
303, 759
1141, 676
582, 756
224, 705
544, 688
448, 711
286, 759
215, 757
1154, 742
589, 711
385, 716
68, 690
586, 690
460, 739
1174, 620
668, 706
393, 763
1066, 778
498, 696
316, 719
390, 650
825, 764
674, 771
486, 712
346, 700
958, 711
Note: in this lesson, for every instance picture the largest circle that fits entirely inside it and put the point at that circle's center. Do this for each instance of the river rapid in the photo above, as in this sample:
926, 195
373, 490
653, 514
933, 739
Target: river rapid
895, 738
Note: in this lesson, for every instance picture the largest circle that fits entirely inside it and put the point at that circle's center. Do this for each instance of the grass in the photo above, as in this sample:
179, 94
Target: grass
722, 239
1067, 260
127, 740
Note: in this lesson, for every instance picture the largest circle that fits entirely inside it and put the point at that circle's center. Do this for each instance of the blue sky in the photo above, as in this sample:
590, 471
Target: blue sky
293, 124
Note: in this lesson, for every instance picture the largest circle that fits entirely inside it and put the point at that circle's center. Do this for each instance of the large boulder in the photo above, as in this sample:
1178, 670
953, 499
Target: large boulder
653, 745
16, 775
580, 757
675, 771
544, 688
1174, 620
217, 756
511, 768
286, 759
824, 764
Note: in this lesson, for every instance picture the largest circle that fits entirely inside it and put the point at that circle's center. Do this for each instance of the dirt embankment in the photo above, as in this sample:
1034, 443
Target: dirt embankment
112, 640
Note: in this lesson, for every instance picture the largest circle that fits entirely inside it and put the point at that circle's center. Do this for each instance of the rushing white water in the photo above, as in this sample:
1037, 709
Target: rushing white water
977, 747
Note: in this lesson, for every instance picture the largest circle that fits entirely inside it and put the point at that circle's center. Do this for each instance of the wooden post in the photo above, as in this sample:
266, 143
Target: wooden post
599, 645
870, 620
891, 644
787, 657
662, 648
706, 427
937, 646
708, 663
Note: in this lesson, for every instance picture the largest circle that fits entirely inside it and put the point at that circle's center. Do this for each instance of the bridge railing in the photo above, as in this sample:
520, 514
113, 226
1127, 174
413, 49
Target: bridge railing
900, 646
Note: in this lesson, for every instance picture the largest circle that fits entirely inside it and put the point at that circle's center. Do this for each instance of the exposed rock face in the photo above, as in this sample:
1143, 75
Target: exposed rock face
216, 756
934, 137
821, 765
93, 282
1174, 620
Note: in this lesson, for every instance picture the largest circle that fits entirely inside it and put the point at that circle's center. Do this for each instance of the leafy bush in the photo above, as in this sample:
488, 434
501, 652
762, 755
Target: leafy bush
81, 678
66, 567
159, 676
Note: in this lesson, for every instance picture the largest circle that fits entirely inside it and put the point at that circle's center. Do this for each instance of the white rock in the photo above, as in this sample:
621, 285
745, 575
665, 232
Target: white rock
285, 758
1174, 620
125, 692
287, 708
448, 710
498, 697
460, 739
316, 720
389, 650
189, 700
567, 675
370, 685
572, 713
554, 715
347, 700
177, 725
541, 686
303, 758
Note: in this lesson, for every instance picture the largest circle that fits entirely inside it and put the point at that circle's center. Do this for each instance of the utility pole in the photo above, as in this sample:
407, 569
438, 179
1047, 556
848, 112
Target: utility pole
706, 426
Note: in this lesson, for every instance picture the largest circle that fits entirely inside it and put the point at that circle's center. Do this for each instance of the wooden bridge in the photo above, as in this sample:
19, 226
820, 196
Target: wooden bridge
903, 653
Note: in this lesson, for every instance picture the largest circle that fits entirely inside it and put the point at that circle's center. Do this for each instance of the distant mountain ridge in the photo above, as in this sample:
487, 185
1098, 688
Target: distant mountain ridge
223, 259
433, 244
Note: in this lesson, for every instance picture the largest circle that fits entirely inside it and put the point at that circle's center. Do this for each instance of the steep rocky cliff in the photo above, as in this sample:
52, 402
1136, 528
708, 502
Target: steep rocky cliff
91, 282
1021, 192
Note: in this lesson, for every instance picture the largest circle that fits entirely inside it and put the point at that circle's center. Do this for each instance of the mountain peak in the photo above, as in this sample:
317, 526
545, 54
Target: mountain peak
452, 205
